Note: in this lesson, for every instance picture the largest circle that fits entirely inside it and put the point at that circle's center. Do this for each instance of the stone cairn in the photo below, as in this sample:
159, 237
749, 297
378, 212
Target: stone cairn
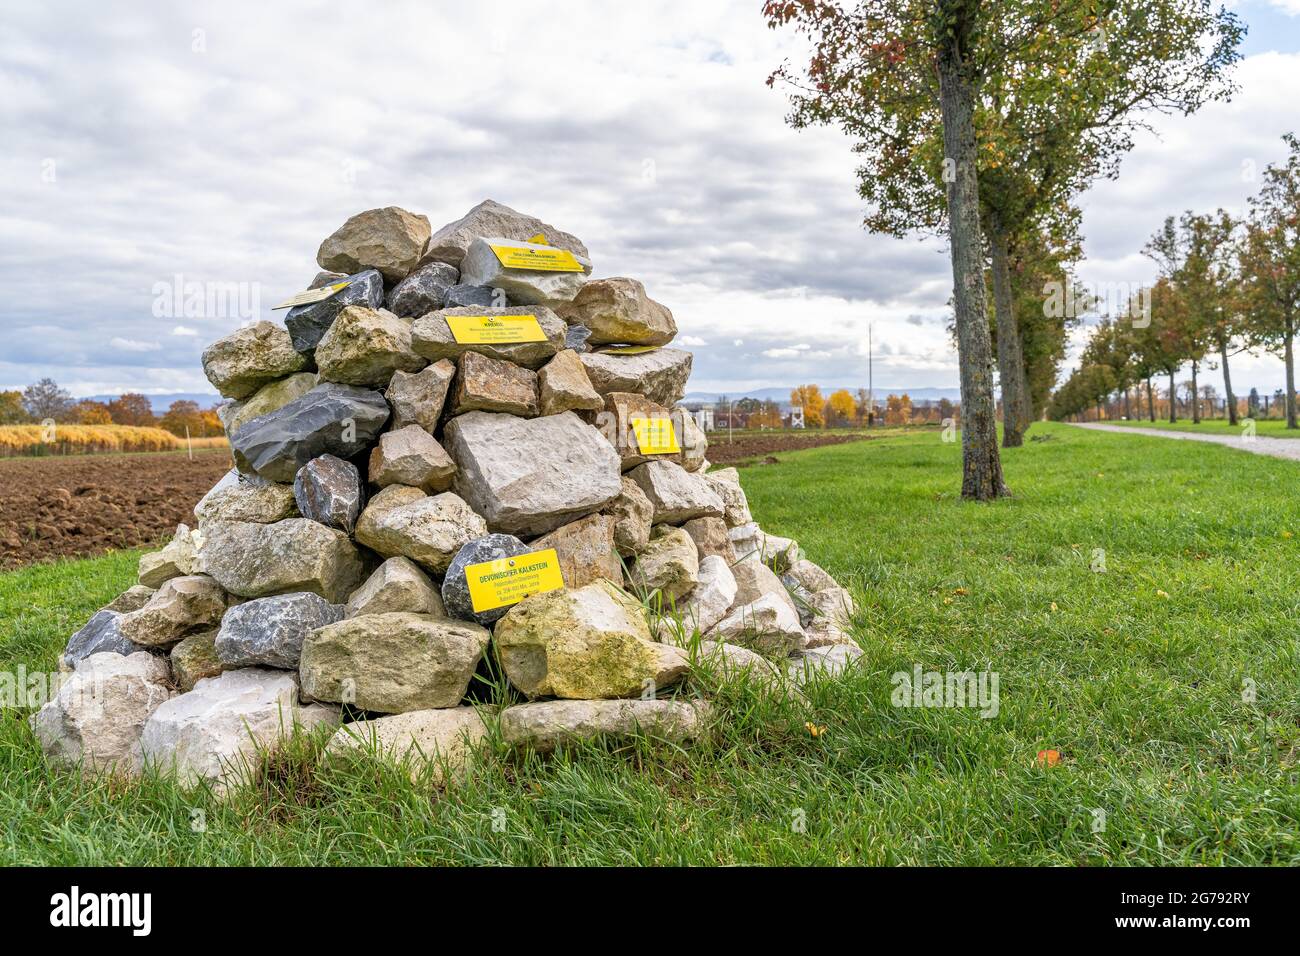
382, 460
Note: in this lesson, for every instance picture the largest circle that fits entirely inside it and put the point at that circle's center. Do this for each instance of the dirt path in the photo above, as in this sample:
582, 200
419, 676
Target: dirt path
1258, 445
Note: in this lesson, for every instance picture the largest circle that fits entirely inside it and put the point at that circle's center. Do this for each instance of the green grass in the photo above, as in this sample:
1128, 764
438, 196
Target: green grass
1135, 675
1272, 427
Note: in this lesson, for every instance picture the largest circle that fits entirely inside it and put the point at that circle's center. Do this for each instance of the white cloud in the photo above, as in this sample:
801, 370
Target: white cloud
133, 345
184, 330
691, 341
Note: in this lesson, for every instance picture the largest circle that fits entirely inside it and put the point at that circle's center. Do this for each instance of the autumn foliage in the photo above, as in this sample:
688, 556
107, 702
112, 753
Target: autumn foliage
83, 439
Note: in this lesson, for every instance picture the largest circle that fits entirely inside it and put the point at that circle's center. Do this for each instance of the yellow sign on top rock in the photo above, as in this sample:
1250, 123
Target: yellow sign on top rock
536, 259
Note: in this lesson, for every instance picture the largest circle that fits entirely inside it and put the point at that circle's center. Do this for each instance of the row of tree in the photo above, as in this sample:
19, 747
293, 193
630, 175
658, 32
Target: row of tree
1225, 285
46, 401
984, 121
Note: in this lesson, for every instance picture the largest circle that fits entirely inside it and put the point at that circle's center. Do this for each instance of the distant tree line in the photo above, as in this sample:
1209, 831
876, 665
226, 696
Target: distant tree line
1225, 286
46, 401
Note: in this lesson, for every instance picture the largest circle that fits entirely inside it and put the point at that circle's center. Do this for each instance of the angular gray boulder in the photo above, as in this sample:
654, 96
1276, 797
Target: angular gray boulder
424, 290
491, 218
392, 663
269, 631
328, 490
411, 456
241, 497
429, 529
455, 587
365, 347
417, 398
98, 715
307, 324
676, 494
334, 419
529, 476
214, 732
396, 585
390, 239
659, 375
478, 296
99, 635
298, 554
546, 725
618, 311
248, 358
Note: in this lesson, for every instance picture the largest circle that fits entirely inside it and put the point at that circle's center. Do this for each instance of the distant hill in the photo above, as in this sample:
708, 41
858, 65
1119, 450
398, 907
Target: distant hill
162, 402
782, 394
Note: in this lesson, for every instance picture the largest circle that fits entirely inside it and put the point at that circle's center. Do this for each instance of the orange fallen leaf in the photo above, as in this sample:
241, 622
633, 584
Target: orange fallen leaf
814, 730
1049, 758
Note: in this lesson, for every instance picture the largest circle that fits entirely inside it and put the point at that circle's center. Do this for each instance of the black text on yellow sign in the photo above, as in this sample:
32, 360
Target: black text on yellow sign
495, 329
655, 436
494, 584
535, 259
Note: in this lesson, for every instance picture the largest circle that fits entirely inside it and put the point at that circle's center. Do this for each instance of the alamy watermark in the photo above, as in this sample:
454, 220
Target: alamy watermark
1123, 300
181, 299
977, 690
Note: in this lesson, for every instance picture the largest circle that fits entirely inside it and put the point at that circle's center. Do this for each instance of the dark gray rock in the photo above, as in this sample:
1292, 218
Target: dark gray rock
424, 290
307, 324
576, 338
269, 631
455, 588
101, 635
477, 295
334, 419
328, 489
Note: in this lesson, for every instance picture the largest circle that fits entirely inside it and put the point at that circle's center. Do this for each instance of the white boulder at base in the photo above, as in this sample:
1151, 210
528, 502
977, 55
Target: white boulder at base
445, 533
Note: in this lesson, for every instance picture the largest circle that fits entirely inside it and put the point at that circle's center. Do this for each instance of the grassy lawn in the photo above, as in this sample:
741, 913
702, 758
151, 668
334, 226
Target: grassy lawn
1272, 427
1134, 675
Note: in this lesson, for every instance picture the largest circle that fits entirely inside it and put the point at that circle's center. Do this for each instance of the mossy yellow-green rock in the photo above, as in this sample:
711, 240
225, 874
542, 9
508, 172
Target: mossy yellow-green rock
587, 643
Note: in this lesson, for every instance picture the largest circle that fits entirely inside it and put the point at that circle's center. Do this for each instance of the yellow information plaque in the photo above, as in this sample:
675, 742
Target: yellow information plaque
495, 329
655, 436
312, 295
494, 584
538, 260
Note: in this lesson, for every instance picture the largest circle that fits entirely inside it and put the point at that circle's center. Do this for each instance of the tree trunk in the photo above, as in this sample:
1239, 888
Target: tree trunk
1011, 362
1173, 399
981, 465
1227, 382
1289, 352
1151, 400
1128, 409
1196, 396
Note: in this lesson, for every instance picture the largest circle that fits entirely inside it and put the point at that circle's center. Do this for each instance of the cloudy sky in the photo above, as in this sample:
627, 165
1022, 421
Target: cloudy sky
147, 145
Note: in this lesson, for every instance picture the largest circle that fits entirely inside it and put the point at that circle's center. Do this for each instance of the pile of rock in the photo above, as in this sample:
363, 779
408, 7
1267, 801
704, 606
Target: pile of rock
386, 457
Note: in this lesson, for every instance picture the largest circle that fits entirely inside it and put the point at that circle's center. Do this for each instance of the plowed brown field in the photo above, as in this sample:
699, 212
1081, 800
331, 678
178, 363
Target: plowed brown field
82, 505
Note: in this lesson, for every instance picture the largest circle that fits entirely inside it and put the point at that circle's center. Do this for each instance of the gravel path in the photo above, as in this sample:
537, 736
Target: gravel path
1259, 445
